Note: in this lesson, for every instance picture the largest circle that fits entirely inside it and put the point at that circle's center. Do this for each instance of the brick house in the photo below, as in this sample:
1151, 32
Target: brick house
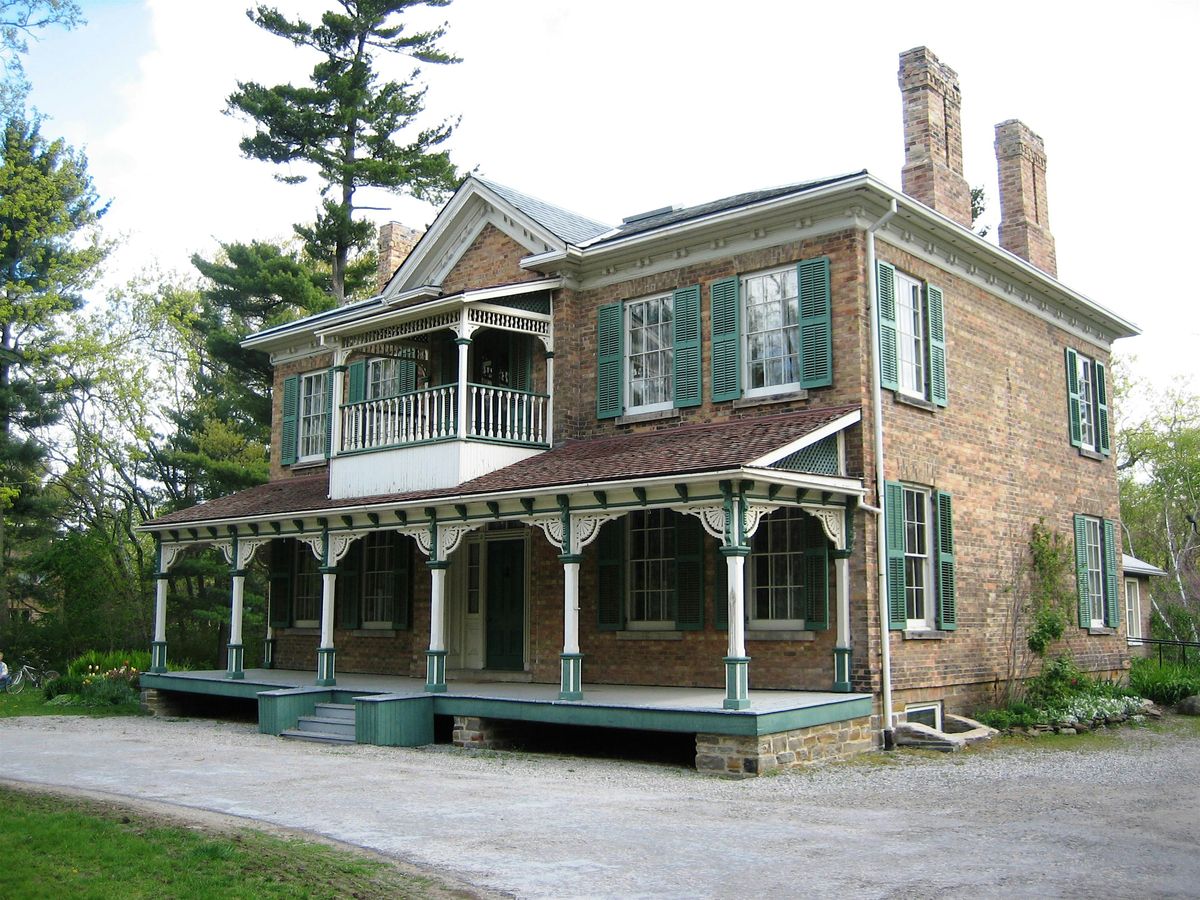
783, 450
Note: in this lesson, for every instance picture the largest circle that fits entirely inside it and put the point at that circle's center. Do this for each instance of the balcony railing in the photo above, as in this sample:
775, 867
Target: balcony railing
431, 414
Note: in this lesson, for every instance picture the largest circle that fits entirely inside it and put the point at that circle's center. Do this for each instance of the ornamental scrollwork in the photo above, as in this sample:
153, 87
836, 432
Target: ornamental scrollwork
170, 553
833, 523
449, 537
225, 545
247, 547
316, 543
751, 516
339, 545
712, 519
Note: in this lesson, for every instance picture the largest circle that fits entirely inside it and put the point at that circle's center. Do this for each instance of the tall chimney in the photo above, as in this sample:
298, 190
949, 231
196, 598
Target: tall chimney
395, 243
1024, 219
933, 161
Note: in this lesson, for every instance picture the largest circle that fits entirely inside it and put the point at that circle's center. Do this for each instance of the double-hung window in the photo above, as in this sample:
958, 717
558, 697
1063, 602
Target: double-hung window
383, 379
788, 573
1133, 608
1087, 403
648, 354
921, 576
912, 336
651, 569
1096, 572
305, 419
772, 331
650, 573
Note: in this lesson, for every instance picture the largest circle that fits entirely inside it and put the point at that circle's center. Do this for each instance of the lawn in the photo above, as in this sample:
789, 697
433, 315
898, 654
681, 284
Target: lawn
30, 702
88, 850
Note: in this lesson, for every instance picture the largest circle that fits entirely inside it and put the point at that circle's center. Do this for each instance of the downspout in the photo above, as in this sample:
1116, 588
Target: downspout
885, 651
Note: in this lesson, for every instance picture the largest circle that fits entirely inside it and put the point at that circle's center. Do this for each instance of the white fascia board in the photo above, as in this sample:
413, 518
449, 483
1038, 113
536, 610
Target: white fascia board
839, 424
285, 334
418, 293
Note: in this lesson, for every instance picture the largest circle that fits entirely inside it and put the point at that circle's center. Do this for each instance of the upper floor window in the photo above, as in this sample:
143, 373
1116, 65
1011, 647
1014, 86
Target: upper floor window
921, 577
312, 420
1096, 572
648, 354
772, 331
383, 378
912, 336
1087, 403
649, 359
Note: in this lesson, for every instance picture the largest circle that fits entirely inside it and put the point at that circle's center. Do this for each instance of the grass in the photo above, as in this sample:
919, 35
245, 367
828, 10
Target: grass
88, 850
30, 702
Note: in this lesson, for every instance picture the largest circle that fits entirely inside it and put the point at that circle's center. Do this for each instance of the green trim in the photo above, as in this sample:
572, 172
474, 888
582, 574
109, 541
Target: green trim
393, 720
685, 361
158, 656
842, 658
570, 676
236, 655
725, 339
435, 671
326, 667
815, 323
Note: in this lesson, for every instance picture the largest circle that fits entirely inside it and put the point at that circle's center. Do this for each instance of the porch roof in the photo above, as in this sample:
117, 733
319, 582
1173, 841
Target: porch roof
678, 451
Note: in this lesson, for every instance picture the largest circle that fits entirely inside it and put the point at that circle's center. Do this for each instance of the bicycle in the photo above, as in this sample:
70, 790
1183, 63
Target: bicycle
27, 673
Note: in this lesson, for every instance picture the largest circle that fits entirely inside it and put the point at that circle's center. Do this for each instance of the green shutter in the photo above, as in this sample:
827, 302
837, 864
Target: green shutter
520, 363
406, 376
947, 613
1099, 376
1081, 578
610, 323
610, 578
689, 573
1112, 606
403, 590
329, 410
816, 575
685, 324
1073, 406
937, 345
726, 339
282, 554
889, 360
347, 602
893, 493
357, 390
721, 593
816, 323
287, 429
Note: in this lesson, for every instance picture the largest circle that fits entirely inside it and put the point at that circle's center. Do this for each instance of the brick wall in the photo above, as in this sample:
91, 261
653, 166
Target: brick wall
492, 258
314, 363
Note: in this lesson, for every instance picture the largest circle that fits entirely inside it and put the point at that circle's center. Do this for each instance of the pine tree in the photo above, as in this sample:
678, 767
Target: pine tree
357, 130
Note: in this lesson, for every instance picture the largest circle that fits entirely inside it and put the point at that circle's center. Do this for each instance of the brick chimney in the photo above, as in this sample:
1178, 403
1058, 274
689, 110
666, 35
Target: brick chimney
1024, 219
933, 160
395, 243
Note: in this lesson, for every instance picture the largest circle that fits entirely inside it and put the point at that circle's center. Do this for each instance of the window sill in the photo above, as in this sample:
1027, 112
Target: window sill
1092, 454
1101, 630
308, 465
767, 399
915, 402
931, 635
771, 634
655, 416
649, 635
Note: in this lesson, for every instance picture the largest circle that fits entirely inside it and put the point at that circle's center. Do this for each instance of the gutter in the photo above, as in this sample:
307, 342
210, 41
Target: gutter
885, 637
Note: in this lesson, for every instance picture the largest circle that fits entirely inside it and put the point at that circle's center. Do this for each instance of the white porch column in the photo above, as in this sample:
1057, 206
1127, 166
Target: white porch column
326, 675
464, 344
338, 374
435, 668
236, 651
550, 397
841, 652
571, 685
737, 664
158, 647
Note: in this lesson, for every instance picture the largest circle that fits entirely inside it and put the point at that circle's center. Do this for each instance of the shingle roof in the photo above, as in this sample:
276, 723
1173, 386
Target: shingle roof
572, 228
675, 216
673, 451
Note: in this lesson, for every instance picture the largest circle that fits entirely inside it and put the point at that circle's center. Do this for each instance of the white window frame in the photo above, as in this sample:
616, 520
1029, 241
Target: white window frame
380, 371
918, 558
790, 308
1133, 609
912, 337
665, 354
304, 566
659, 568
790, 560
911, 708
1085, 373
1094, 551
312, 417
378, 580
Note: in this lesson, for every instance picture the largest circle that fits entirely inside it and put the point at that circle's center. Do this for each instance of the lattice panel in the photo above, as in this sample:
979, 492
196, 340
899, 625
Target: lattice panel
820, 458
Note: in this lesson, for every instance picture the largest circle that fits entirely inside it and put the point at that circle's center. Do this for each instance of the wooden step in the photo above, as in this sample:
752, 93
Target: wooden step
343, 712
318, 737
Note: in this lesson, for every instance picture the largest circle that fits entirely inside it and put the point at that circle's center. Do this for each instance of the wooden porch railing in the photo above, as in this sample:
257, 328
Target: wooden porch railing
501, 414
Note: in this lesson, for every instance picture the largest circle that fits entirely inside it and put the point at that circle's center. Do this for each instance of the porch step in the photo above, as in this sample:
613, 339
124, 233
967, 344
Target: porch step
317, 737
332, 723
343, 712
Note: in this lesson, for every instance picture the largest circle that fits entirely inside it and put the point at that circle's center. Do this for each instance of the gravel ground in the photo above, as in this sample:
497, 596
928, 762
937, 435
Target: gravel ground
1117, 816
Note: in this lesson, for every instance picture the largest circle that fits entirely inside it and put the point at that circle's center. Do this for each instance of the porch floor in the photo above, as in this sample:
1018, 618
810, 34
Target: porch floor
653, 708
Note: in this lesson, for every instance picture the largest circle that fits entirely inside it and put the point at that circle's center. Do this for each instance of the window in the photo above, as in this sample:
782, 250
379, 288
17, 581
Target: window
1087, 403
921, 577
1133, 608
650, 572
772, 331
378, 580
649, 358
788, 572
648, 354
307, 589
651, 569
912, 336
924, 714
383, 378
313, 418
1096, 572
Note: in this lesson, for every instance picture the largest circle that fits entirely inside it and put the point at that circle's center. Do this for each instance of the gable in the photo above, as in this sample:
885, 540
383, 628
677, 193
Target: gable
492, 258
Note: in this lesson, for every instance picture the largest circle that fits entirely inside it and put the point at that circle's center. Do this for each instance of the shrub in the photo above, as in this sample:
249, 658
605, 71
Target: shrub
65, 684
1166, 684
106, 661
103, 692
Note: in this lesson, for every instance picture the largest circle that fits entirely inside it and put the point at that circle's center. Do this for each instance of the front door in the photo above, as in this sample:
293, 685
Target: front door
505, 609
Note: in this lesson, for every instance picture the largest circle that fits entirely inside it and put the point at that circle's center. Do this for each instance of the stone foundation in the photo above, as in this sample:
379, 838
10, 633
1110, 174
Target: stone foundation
160, 703
475, 733
747, 757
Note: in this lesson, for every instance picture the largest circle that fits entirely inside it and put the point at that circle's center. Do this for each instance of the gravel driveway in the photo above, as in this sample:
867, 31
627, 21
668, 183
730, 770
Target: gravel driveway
1119, 818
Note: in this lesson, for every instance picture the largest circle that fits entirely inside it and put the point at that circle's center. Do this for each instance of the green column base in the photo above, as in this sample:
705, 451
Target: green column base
571, 682
158, 656
737, 682
268, 660
435, 671
841, 670
237, 655
326, 676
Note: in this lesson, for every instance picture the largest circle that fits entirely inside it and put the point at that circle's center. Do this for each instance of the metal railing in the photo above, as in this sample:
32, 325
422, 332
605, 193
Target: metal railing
1184, 651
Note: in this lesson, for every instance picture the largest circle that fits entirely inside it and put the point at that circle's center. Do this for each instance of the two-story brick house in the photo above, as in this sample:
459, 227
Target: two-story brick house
789, 445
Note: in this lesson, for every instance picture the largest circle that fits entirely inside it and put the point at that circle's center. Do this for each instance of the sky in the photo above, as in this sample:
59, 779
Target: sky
613, 108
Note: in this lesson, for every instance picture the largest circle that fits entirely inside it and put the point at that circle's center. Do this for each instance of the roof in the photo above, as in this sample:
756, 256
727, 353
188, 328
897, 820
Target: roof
1131, 565
689, 449
569, 226
651, 222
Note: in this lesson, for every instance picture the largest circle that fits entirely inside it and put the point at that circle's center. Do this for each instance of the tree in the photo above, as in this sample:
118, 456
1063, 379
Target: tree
50, 249
347, 123
19, 21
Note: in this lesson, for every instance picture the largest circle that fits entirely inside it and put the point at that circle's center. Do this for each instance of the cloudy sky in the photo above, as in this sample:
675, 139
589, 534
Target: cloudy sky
617, 107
